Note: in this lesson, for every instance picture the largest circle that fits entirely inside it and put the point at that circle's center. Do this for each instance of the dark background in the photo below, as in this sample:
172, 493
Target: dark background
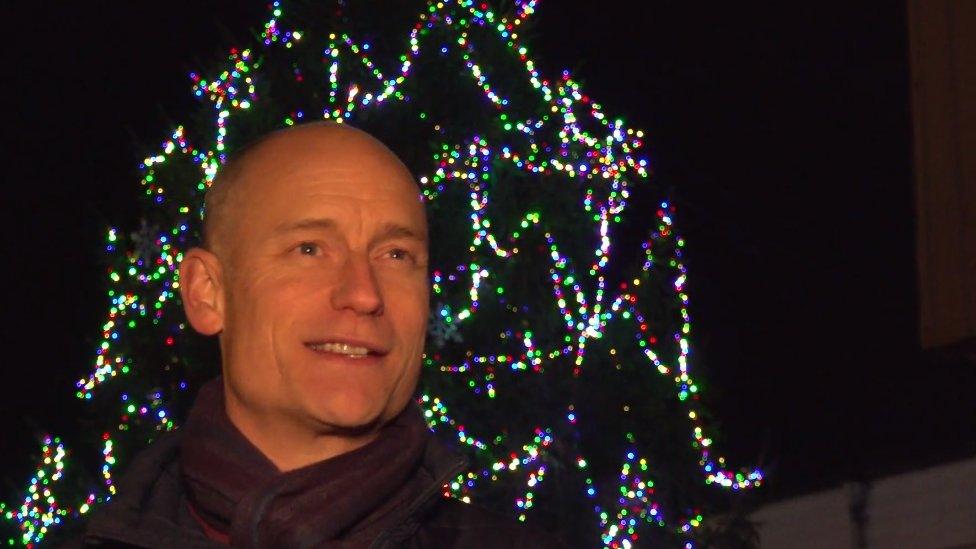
785, 132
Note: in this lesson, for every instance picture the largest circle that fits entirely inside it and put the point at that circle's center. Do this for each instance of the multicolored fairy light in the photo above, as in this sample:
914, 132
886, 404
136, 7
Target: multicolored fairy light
39, 510
565, 135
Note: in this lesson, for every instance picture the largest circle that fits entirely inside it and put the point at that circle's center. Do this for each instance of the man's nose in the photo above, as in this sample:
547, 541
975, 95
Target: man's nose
357, 289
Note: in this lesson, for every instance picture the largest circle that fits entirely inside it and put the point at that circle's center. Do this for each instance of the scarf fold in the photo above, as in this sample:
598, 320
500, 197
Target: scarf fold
237, 490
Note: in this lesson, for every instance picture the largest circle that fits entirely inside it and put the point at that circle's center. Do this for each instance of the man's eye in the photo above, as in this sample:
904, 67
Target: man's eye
307, 248
399, 254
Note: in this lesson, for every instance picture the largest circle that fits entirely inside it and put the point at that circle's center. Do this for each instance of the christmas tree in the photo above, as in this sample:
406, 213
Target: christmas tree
559, 337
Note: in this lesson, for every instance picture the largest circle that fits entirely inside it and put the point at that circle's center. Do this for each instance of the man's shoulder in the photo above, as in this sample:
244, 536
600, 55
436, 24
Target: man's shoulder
151, 479
453, 523
148, 509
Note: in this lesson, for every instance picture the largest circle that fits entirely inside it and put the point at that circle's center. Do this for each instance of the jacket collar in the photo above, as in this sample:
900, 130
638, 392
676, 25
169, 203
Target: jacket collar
151, 509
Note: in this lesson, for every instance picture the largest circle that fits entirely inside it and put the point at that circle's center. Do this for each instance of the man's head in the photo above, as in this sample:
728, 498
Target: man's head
315, 277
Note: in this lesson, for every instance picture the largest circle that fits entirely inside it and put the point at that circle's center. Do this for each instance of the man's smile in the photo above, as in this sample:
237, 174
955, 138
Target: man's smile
348, 348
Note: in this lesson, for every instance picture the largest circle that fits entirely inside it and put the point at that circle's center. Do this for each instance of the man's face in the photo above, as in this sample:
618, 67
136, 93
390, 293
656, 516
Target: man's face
325, 281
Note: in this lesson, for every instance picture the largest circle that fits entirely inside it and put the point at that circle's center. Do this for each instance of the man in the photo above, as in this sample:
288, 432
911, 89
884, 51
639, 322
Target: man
314, 276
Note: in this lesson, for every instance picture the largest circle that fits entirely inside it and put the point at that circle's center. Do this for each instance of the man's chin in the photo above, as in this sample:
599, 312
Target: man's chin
350, 425
347, 417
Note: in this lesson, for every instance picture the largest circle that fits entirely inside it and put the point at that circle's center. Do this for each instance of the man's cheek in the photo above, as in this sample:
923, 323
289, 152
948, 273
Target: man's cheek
412, 315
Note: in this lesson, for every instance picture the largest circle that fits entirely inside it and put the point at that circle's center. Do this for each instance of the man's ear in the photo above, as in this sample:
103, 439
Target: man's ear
202, 291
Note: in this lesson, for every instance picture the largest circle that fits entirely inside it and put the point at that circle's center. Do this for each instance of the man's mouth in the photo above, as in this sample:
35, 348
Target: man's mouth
345, 349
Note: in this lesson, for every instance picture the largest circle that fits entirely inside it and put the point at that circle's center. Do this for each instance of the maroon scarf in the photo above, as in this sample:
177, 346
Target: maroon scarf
349, 499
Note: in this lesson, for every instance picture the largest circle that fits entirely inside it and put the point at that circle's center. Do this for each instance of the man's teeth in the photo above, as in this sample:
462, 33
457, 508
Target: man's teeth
339, 348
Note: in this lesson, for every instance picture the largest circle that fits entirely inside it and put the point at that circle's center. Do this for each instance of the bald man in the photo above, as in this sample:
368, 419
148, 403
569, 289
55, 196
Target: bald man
314, 277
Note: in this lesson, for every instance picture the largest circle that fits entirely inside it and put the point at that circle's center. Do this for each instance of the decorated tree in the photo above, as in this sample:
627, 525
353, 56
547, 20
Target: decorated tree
558, 347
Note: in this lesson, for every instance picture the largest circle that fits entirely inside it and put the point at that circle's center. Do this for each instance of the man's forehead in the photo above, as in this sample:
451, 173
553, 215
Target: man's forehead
335, 163
331, 142
359, 158
294, 184
322, 170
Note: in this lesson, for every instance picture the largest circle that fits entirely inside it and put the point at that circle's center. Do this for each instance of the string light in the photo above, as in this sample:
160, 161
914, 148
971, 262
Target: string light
568, 135
39, 510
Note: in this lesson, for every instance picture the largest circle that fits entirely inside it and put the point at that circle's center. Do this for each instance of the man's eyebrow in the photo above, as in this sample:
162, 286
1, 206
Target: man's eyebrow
389, 231
305, 224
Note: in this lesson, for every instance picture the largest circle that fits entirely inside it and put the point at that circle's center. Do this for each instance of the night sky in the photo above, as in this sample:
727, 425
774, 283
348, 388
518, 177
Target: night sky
785, 133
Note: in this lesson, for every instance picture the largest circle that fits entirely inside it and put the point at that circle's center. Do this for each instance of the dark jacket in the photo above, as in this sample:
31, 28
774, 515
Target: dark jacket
151, 510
